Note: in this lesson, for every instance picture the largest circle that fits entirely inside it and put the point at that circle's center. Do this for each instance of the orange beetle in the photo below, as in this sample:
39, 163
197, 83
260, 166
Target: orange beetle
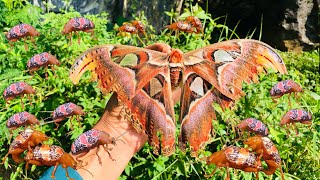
265, 148
25, 140
195, 23
181, 26
235, 157
50, 155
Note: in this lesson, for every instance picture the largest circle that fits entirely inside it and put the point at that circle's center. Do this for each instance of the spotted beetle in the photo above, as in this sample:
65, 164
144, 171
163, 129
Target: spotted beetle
21, 31
235, 157
78, 24
265, 148
17, 89
296, 115
195, 21
91, 139
50, 155
25, 140
254, 125
42, 60
285, 87
21, 119
66, 110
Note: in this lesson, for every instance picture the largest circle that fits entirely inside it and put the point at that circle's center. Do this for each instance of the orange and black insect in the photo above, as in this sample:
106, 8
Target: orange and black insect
66, 110
25, 140
235, 157
42, 60
18, 89
296, 116
254, 125
50, 155
91, 139
78, 24
21, 31
195, 21
265, 148
285, 87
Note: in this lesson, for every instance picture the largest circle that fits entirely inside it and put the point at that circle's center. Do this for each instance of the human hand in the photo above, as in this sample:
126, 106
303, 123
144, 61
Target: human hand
114, 124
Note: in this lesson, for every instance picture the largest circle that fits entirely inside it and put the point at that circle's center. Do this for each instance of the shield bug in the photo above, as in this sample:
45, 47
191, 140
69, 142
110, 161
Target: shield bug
50, 155
18, 89
21, 31
78, 24
296, 115
42, 60
265, 148
235, 157
195, 21
253, 125
66, 110
285, 87
25, 140
91, 139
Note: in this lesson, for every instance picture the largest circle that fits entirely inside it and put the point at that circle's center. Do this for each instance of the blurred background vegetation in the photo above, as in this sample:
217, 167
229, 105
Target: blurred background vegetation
300, 154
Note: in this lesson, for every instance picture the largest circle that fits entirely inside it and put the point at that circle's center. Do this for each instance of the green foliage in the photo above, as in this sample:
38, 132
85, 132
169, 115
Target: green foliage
300, 154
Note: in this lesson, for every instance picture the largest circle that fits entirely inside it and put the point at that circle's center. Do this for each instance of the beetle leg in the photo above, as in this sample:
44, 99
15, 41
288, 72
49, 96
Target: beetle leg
78, 37
54, 72
67, 173
100, 162
22, 105
25, 43
57, 124
105, 146
228, 173
213, 172
29, 97
54, 171
5, 157
33, 42
70, 38
295, 128
46, 72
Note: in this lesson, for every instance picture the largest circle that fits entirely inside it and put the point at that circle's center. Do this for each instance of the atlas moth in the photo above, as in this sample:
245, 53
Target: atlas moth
145, 79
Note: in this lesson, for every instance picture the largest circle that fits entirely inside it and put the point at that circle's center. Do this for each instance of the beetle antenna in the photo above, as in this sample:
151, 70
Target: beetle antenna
117, 138
87, 171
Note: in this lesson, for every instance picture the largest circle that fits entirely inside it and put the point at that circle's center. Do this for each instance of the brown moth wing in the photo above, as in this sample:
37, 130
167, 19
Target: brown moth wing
119, 68
219, 71
141, 78
152, 110
226, 65
197, 112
